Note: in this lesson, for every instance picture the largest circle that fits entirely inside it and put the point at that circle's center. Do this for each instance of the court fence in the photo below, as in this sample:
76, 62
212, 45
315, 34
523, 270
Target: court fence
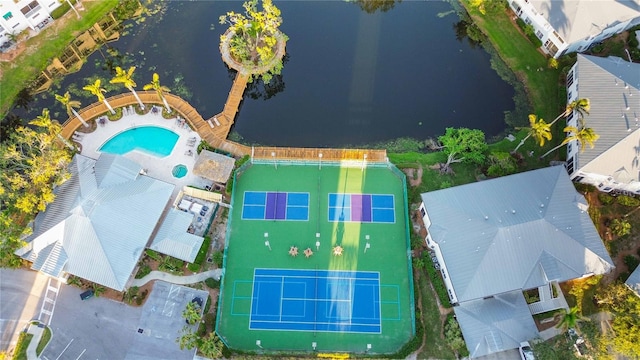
403, 179
236, 173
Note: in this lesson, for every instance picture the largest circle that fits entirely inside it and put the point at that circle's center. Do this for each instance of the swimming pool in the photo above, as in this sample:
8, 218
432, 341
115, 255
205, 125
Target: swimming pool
153, 140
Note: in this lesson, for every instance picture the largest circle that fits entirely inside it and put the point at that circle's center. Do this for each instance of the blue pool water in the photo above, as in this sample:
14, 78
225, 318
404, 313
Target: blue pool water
153, 140
179, 171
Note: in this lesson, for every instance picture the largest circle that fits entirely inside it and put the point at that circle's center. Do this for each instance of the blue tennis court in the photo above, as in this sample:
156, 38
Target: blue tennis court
269, 205
316, 300
378, 208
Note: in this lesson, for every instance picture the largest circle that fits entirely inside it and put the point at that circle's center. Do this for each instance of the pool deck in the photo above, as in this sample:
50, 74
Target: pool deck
156, 167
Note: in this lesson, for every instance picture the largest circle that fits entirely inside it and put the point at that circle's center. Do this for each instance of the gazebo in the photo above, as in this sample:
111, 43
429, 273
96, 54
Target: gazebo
214, 166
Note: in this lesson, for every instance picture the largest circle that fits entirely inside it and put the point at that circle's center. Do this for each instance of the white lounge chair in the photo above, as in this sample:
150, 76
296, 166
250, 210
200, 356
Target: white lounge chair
210, 123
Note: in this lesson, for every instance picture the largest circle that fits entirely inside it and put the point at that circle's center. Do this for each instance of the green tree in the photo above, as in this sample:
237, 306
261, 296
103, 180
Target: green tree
192, 313
11, 234
624, 304
70, 105
130, 294
463, 145
96, 90
189, 339
501, 164
582, 134
371, 6
159, 89
126, 79
211, 346
255, 35
98, 289
45, 121
538, 129
570, 319
620, 227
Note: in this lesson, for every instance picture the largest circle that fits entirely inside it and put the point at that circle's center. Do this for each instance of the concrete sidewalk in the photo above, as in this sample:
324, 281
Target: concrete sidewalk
179, 280
36, 331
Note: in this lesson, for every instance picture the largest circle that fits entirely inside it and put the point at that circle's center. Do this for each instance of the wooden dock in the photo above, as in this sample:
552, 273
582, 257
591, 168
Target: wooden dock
216, 129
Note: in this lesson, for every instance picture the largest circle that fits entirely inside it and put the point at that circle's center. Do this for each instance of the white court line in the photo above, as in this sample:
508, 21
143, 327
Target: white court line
65, 349
83, 351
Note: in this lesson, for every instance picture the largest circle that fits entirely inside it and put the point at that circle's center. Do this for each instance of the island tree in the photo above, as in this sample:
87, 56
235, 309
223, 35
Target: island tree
538, 129
254, 37
582, 134
462, 145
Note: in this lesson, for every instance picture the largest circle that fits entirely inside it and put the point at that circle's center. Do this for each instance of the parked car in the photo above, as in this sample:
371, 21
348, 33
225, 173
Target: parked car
525, 351
197, 300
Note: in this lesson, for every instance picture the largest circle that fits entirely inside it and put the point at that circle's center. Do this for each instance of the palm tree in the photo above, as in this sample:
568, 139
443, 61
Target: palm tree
126, 79
73, 8
98, 91
191, 313
539, 129
582, 134
52, 126
160, 89
70, 105
570, 319
582, 106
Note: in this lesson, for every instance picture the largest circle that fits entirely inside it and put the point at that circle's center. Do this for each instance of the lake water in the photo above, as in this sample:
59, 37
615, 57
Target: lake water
350, 77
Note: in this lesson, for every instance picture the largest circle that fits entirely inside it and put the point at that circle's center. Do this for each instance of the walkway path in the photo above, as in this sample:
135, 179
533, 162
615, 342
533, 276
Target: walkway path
175, 279
36, 331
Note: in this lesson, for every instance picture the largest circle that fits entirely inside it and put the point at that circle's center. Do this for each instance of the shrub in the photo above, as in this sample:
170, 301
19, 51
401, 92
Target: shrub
207, 306
217, 258
418, 263
61, 10
501, 164
632, 262
202, 254
620, 227
212, 283
438, 285
153, 254
453, 335
143, 271
605, 199
628, 200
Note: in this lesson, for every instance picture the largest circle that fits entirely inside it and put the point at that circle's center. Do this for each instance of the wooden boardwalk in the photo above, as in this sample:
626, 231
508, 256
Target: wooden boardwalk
216, 129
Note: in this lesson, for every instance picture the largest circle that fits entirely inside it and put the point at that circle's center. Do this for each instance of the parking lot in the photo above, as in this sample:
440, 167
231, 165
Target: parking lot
99, 328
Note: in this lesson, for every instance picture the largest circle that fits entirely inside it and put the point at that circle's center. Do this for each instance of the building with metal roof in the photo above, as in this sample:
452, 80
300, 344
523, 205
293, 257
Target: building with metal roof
633, 282
99, 223
573, 26
173, 238
496, 238
612, 86
214, 166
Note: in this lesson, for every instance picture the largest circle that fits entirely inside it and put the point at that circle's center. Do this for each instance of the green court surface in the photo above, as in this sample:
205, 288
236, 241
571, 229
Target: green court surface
387, 254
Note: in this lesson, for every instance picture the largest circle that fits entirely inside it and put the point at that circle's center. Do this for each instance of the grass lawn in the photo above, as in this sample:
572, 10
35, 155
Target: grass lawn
42, 48
44, 340
20, 352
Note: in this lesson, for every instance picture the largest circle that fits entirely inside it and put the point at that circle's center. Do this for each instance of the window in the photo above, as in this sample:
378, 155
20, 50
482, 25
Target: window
578, 178
33, 6
570, 78
559, 38
570, 117
539, 34
7, 16
527, 20
423, 212
569, 94
570, 165
569, 148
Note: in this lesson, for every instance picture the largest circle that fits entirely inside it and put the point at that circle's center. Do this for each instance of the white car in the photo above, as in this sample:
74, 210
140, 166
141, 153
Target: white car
525, 351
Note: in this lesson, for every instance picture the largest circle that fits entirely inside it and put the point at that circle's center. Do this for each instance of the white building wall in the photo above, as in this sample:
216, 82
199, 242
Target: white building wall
13, 21
549, 37
436, 249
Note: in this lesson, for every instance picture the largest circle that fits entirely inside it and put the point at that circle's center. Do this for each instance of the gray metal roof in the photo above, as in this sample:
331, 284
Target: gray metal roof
576, 20
214, 166
174, 240
515, 232
102, 229
612, 85
495, 324
634, 281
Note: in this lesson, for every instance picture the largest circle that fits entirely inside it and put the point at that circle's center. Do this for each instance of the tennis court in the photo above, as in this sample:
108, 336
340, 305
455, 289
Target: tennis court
269, 205
362, 208
273, 299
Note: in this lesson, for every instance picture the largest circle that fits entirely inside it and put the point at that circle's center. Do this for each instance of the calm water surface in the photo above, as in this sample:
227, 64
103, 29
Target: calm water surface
349, 78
